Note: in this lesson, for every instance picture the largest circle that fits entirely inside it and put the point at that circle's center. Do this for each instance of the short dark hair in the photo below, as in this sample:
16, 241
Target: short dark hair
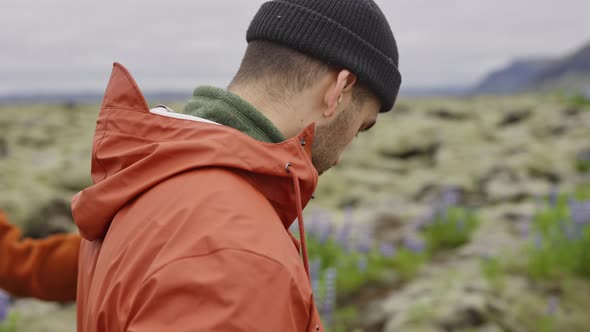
284, 71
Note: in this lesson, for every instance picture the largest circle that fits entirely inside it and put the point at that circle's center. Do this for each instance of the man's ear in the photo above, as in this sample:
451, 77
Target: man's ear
338, 92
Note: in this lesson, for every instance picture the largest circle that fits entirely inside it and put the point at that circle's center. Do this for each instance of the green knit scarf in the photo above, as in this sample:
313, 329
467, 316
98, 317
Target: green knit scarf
228, 109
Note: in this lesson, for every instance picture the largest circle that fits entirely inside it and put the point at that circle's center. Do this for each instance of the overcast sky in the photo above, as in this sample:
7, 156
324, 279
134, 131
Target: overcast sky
69, 45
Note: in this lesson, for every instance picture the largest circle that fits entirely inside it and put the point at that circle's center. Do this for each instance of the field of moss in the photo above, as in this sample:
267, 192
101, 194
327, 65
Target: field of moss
450, 215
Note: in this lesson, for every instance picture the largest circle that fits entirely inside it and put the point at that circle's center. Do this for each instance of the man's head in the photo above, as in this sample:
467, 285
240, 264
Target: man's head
328, 62
307, 90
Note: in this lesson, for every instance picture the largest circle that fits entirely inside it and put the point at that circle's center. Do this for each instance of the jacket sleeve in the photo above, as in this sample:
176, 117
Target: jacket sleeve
229, 290
46, 269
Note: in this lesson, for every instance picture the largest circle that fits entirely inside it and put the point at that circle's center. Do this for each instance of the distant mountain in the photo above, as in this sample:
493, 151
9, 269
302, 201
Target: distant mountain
570, 72
517, 77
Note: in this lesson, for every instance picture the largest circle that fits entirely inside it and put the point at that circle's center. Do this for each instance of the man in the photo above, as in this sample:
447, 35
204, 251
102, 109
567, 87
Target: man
45, 269
186, 226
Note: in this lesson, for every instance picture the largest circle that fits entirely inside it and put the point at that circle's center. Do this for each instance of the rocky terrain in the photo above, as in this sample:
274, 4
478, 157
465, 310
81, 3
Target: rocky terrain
503, 155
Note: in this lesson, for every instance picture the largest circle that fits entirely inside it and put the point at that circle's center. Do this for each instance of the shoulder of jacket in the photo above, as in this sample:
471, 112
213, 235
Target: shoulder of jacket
255, 261
219, 178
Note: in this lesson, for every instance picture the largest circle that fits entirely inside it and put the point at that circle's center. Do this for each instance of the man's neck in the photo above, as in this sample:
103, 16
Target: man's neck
288, 117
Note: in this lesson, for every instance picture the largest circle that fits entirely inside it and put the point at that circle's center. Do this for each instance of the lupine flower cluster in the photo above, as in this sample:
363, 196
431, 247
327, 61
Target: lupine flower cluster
448, 225
4, 305
561, 238
329, 302
345, 258
553, 305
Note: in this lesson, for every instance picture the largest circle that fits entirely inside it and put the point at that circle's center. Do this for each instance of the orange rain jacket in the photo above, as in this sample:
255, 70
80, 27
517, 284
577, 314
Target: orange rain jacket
186, 226
45, 269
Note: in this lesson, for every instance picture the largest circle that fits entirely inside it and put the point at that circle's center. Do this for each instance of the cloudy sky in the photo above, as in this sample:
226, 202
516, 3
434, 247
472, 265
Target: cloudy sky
174, 45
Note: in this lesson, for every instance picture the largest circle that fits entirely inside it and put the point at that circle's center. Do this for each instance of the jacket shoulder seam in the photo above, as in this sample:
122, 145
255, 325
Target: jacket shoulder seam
249, 252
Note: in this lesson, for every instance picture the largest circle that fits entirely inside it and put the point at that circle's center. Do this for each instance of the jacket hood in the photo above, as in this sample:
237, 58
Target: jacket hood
135, 149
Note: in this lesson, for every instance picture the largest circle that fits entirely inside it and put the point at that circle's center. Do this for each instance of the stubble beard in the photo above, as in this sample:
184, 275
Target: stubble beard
328, 142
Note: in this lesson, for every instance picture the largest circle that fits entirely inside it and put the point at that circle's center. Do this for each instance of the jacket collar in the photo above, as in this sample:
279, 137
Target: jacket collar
134, 150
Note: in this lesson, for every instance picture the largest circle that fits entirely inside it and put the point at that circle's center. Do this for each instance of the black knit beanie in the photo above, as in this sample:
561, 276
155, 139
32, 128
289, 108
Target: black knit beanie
352, 34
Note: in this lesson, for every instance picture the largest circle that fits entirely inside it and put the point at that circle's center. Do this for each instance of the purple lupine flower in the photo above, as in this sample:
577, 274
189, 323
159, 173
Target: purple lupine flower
387, 250
325, 231
538, 242
525, 229
343, 235
439, 212
414, 245
428, 219
579, 211
553, 196
365, 239
553, 305
314, 223
4, 305
327, 226
572, 231
363, 264
330, 296
311, 224
421, 224
540, 202
451, 197
432, 215
364, 244
348, 214
314, 270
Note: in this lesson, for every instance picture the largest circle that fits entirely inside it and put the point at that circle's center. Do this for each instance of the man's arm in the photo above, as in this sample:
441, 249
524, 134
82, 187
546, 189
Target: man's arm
46, 269
228, 290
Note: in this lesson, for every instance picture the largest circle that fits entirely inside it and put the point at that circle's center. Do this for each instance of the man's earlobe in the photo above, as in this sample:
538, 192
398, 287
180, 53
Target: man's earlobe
340, 99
